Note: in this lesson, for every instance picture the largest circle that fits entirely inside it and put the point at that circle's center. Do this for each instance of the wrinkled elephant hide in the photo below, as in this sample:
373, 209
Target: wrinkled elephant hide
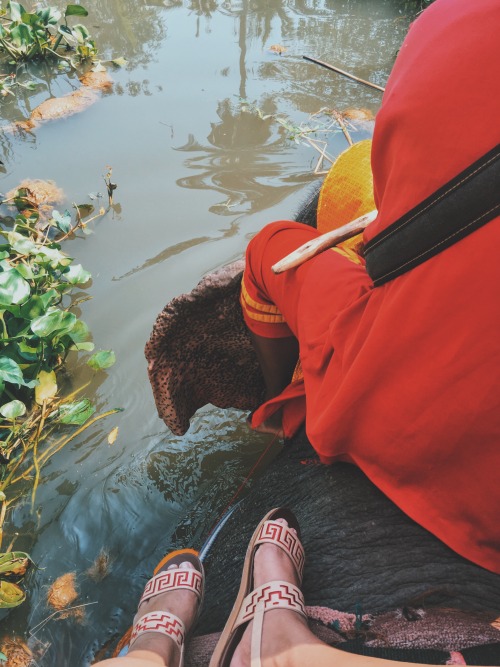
200, 352
362, 552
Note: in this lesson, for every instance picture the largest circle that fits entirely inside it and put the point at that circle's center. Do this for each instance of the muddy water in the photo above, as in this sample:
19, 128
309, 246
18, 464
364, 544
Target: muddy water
196, 176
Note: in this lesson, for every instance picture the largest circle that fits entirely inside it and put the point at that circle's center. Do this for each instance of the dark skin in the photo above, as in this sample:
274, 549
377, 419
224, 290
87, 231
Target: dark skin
277, 358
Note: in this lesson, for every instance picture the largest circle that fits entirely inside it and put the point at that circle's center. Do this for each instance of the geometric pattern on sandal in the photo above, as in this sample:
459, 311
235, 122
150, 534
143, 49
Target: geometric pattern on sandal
162, 622
169, 580
276, 533
273, 595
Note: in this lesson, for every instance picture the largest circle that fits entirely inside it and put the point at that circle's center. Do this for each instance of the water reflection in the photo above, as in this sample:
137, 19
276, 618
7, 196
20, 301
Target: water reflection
238, 162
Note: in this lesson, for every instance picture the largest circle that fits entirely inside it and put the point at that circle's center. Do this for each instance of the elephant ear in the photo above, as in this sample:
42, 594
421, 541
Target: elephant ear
200, 352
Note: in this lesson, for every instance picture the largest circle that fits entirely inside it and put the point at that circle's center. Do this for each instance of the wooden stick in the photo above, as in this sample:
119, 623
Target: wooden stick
323, 242
341, 71
343, 127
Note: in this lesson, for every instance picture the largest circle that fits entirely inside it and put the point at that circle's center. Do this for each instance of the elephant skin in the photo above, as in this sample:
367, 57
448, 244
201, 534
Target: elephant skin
362, 552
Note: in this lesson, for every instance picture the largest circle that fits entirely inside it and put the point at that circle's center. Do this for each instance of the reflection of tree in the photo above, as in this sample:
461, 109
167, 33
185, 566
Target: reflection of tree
358, 36
237, 162
130, 28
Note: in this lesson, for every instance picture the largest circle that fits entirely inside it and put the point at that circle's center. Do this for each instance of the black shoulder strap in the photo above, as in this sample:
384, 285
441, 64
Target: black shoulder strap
464, 204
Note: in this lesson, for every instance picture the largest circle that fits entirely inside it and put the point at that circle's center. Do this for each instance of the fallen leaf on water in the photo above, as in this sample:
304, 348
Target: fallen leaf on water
277, 48
113, 435
47, 387
357, 114
62, 592
18, 652
101, 567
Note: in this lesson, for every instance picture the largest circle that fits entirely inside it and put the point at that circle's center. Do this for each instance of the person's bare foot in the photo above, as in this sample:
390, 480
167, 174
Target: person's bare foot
281, 627
272, 425
182, 603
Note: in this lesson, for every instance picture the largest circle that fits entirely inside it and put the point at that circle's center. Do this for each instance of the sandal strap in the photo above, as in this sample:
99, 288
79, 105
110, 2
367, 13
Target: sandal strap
163, 622
171, 580
272, 532
273, 595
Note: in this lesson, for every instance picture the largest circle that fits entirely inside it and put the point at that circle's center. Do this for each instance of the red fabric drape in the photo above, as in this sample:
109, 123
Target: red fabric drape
403, 380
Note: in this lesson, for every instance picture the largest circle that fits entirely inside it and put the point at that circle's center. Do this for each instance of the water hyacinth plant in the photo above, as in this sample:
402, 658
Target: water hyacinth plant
38, 330
29, 35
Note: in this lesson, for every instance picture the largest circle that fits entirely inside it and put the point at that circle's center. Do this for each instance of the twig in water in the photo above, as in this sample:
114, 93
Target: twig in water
43, 623
341, 71
343, 127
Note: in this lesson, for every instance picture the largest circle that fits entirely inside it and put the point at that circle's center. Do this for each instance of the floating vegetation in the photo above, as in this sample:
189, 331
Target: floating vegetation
323, 123
38, 330
16, 651
44, 34
63, 591
101, 567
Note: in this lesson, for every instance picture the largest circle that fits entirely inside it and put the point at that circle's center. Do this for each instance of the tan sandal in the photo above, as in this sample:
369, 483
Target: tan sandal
253, 604
165, 622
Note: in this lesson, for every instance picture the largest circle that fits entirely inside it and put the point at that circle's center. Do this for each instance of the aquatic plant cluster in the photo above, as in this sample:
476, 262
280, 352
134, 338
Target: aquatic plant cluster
38, 325
43, 34
38, 330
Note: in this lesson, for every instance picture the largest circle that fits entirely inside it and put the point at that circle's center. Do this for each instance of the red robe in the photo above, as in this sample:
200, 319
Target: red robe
403, 379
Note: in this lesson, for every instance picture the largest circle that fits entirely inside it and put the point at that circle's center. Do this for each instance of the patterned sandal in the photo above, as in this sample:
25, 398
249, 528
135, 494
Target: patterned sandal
164, 622
253, 604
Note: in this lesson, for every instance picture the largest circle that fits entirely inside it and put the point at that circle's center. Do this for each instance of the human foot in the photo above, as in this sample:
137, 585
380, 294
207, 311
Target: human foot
272, 564
168, 610
271, 574
273, 425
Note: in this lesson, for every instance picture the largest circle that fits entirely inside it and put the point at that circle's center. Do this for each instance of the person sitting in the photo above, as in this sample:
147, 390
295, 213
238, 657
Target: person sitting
399, 345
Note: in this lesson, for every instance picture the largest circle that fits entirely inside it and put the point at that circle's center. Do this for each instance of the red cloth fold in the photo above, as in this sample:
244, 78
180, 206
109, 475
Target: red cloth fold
403, 379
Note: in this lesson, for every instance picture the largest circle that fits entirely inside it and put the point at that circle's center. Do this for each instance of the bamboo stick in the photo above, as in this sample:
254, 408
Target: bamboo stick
347, 74
323, 242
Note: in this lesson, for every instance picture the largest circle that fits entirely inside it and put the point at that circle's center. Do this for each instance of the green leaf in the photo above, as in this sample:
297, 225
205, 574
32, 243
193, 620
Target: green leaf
67, 33
13, 288
81, 33
21, 36
11, 372
34, 307
82, 347
16, 10
30, 19
14, 563
47, 387
54, 321
25, 246
10, 595
4, 254
80, 332
102, 359
49, 15
54, 256
63, 222
3, 657
75, 413
27, 352
13, 410
75, 10
120, 62
76, 275
85, 210
25, 271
